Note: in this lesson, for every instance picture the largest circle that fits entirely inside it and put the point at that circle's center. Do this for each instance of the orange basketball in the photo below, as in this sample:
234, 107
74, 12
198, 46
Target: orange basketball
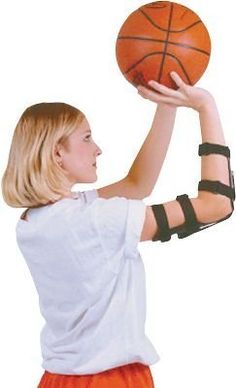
161, 37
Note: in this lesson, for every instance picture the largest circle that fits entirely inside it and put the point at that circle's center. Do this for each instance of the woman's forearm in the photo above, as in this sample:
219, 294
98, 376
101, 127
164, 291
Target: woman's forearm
147, 165
213, 166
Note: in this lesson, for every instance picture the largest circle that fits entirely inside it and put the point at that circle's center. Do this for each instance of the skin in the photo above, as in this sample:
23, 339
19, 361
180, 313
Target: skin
213, 166
78, 159
191, 97
82, 151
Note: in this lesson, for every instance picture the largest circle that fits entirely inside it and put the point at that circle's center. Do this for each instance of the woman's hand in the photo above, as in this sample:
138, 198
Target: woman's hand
186, 95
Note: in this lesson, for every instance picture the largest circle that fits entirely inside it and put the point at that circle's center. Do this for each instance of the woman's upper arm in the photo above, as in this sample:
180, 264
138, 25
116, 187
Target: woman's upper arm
206, 212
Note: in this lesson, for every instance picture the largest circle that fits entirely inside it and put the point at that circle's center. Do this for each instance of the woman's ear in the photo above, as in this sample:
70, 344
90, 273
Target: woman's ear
58, 152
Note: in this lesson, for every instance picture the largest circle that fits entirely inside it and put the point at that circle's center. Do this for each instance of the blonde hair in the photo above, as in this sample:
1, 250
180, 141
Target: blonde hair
33, 177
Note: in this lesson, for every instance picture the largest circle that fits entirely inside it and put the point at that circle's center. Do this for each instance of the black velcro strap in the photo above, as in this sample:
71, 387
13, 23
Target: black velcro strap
209, 148
191, 224
164, 231
216, 187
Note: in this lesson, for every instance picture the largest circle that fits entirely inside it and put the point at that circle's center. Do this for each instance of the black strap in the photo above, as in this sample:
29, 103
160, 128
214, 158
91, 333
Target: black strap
191, 223
216, 187
164, 231
210, 148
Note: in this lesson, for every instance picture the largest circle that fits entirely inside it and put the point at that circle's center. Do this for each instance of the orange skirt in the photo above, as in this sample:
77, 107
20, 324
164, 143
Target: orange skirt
134, 375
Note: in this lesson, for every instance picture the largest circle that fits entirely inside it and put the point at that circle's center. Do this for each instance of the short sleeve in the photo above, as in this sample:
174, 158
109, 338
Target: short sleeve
119, 222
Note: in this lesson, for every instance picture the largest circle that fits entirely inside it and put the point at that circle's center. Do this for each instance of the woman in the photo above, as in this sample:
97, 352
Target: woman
81, 247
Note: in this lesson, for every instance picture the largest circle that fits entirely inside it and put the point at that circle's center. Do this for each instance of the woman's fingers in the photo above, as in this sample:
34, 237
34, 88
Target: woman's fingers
157, 97
162, 94
162, 88
179, 82
186, 95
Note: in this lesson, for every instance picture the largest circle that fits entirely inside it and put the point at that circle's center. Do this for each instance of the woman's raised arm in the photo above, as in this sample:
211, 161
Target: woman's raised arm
216, 191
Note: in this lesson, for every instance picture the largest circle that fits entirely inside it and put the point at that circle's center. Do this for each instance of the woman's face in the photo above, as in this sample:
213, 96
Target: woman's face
80, 156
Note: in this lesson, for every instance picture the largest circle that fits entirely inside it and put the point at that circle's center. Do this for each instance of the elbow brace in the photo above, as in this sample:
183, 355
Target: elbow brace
191, 224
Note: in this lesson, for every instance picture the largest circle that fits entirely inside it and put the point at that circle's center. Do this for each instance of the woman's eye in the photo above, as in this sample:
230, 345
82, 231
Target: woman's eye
88, 136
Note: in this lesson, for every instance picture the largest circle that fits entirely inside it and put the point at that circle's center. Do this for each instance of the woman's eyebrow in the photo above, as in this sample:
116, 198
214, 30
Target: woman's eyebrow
87, 130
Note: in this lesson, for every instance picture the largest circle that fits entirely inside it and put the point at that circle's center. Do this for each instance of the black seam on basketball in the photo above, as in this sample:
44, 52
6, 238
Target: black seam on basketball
166, 43
163, 41
138, 79
164, 29
160, 53
155, 7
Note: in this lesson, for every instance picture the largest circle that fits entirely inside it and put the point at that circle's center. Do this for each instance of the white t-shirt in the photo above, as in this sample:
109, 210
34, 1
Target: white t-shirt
83, 257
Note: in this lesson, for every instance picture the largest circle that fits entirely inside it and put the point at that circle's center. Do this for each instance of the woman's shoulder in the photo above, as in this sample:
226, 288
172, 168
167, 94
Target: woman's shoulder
87, 197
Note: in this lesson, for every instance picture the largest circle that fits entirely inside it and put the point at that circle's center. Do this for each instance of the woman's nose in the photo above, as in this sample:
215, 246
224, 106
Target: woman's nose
99, 151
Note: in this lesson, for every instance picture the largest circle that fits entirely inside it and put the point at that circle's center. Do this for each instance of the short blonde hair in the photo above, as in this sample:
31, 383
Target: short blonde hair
33, 177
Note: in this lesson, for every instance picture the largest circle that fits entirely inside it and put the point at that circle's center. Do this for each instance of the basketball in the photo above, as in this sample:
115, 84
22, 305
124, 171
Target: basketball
161, 37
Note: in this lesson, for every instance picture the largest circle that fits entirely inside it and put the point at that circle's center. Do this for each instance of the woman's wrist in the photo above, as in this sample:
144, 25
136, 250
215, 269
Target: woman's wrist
210, 123
167, 107
207, 104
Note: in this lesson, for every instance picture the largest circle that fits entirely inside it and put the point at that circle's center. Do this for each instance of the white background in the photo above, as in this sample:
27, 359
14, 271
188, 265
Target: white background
65, 51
